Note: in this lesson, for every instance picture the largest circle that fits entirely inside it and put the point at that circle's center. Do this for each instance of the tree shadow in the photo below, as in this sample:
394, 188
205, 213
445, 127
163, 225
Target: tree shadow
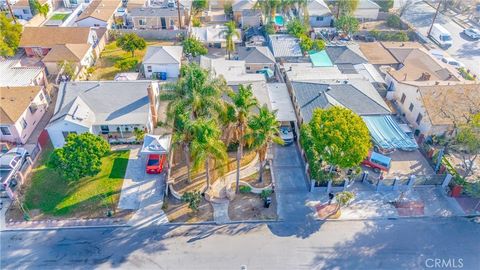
119, 168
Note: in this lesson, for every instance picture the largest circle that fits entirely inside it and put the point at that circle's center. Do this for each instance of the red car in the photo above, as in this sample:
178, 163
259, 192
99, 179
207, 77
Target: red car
155, 164
377, 162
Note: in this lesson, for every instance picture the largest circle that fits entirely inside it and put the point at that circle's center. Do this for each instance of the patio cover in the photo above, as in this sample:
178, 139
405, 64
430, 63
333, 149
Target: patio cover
154, 144
386, 133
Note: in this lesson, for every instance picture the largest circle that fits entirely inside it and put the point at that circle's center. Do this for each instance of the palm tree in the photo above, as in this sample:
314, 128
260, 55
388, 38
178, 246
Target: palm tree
183, 134
242, 103
207, 146
41, 9
264, 130
268, 7
229, 33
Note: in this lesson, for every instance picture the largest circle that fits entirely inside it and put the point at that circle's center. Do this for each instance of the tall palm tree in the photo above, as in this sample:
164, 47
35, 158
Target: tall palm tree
183, 134
207, 146
230, 33
268, 7
264, 129
242, 103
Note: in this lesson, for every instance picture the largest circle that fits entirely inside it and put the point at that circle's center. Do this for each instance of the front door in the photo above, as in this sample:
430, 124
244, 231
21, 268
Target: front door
164, 23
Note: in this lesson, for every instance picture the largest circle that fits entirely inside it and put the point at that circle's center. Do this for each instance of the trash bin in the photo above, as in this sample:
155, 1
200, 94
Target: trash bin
267, 202
456, 191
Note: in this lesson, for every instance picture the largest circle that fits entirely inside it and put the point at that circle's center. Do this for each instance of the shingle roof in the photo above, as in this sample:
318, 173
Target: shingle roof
310, 96
15, 100
100, 9
14, 75
377, 54
255, 55
318, 8
50, 36
285, 46
345, 55
68, 52
163, 55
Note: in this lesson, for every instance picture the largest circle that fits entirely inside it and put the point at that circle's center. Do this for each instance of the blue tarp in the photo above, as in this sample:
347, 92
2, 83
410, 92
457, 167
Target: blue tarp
387, 134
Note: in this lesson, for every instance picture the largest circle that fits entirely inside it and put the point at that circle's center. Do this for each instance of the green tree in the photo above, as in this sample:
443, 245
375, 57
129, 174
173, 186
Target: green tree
228, 8
268, 7
385, 5
264, 130
183, 134
467, 141
68, 68
230, 33
131, 42
338, 136
10, 34
207, 146
344, 198
347, 24
345, 7
80, 156
193, 47
198, 6
269, 28
394, 21
242, 104
41, 9
318, 45
126, 64
306, 43
296, 28
193, 199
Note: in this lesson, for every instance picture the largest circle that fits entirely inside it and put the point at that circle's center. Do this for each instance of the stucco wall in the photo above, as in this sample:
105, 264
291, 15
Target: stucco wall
56, 135
172, 70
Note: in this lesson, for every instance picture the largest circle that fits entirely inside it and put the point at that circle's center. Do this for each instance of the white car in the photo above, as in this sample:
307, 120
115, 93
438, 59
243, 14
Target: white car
453, 62
286, 134
472, 32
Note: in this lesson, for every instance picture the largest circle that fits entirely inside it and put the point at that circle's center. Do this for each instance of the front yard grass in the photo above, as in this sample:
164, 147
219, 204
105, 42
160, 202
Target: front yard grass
59, 16
87, 197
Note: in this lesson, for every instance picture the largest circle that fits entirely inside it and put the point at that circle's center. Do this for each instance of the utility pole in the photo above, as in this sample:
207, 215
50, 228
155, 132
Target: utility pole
434, 17
11, 12
179, 17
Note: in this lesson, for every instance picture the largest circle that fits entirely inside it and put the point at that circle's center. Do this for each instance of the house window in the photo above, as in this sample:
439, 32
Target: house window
319, 18
66, 133
26, 11
5, 131
419, 119
411, 107
105, 129
96, 25
142, 22
149, 68
23, 123
402, 100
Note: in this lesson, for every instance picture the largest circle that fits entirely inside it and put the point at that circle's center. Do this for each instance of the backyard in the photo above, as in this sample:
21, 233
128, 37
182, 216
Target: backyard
105, 69
48, 194
59, 16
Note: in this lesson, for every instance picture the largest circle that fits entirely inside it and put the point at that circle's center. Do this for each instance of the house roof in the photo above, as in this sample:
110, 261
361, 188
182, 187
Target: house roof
310, 96
155, 12
68, 52
15, 100
308, 72
15, 75
90, 102
280, 101
50, 36
212, 34
240, 5
25, 3
258, 54
445, 103
163, 55
346, 54
376, 54
367, 4
133, 4
233, 71
285, 46
318, 8
102, 10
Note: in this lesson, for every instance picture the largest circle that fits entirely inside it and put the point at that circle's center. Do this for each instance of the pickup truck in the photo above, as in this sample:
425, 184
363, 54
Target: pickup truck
10, 163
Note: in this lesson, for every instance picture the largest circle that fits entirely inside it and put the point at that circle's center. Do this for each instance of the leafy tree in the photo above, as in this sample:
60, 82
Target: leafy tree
193, 199
337, 136
306, 43
344, 198
269, 28
139, 134
385, 5
345, 7
193, 47
67, 68
296, 28
467, 141
242, 103
207, 146
394, 21
318, 45
198, 6
268, 7
230, 33
126, 64
196, 22
41, 9
80, 156
10, 34
264, 130
347, 24
131, 42
227, 8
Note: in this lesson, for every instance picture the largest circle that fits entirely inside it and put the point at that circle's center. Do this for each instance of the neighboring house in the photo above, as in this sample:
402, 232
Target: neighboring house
23, 10
85, 106
245, 14
284, 46
162, 59
256, 58
213, 36
156, 18
319, 14
100, 13
14, 74
378, 55
367, 10
21, 109
345, 57
74, 3
234, 72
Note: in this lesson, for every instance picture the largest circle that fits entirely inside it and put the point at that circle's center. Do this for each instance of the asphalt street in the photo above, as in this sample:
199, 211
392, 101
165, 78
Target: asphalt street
389, 244
464, 49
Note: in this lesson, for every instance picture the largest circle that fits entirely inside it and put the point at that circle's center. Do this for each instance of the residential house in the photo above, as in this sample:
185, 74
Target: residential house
156, 18
284, 47
319, 14
162, 62
367, 10
14, 74
87, 106
21, 108
345, 57
256, 58
23, 10
74, 3
233, 71
377, 55
100, 13
245, 13
213, 36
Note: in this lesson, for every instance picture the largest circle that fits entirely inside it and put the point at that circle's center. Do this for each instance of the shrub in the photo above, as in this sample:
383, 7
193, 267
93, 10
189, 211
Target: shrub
245, 189
196, 22
344, 198
126, 64
296, 28
265, 194
269, 28
394, 21
139, 134
318, 45
193, 199
306, 43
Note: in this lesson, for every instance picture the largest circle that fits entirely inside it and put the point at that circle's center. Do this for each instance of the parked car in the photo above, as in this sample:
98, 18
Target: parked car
10, 163
155, 163
377, 162
453, 62
441, 36
286, 134
472, 33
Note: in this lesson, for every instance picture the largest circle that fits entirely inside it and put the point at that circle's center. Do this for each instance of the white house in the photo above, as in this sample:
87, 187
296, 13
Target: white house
319, 13
367, 10
100, 13
88, 106
214, 35
162, 61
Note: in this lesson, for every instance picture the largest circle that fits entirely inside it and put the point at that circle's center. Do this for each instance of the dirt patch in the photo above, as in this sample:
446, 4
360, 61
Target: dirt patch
250, 207
253, 179
178, 211
325, 211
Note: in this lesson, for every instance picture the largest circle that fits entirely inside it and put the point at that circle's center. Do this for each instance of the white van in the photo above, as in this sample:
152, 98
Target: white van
441, 36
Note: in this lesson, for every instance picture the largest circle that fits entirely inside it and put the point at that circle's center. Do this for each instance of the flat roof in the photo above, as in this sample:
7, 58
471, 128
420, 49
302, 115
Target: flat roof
281, 102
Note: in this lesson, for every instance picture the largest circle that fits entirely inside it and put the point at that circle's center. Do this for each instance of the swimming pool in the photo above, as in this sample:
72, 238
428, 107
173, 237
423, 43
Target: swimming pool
279, 20
320, 59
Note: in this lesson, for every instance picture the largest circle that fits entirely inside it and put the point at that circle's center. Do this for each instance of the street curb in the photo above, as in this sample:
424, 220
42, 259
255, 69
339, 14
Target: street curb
398, 218
223, 223
66, 228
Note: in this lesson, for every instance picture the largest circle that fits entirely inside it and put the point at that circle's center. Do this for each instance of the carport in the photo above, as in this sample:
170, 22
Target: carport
281, 103
155, 145
387, 133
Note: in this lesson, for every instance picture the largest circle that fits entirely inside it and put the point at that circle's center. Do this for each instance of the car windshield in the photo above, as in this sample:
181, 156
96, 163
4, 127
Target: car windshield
153, 162
445, 38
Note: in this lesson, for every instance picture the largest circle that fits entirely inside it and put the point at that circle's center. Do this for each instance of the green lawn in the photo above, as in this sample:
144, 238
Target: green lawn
104, 67
87, 197
59, 16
